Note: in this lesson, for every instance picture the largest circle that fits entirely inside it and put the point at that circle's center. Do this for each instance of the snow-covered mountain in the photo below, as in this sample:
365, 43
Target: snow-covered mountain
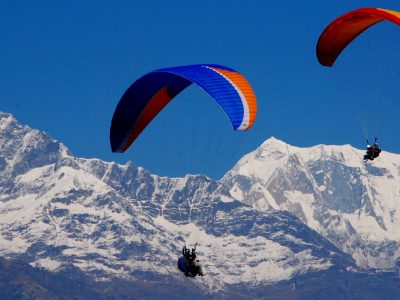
282, 212
355, 205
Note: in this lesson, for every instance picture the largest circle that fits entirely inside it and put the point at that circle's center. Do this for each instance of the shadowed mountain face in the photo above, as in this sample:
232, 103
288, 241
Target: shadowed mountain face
19, 280
121, 224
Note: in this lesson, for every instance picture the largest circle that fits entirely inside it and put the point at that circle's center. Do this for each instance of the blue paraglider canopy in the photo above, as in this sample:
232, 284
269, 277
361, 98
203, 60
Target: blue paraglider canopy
148, 95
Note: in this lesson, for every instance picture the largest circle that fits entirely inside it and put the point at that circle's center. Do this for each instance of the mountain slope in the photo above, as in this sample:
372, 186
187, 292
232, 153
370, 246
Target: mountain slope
121, 222
355, 205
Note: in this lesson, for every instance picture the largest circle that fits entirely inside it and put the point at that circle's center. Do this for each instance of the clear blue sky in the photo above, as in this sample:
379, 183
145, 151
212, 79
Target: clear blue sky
65, 65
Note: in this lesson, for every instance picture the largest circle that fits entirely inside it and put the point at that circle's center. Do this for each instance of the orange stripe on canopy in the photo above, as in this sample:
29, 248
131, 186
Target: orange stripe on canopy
243, 85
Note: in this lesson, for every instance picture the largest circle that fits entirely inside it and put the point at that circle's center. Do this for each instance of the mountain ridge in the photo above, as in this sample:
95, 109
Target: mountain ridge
324, 184
120, 221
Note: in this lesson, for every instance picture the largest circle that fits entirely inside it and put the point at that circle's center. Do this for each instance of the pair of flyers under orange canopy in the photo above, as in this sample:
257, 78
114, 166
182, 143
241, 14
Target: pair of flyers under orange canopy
148, 95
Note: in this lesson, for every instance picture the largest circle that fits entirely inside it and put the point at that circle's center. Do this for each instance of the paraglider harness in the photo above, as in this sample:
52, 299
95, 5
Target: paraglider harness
372, 151
188, 263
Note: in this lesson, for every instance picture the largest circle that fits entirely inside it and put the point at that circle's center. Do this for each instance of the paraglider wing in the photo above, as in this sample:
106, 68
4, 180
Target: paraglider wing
346, 28
147, 96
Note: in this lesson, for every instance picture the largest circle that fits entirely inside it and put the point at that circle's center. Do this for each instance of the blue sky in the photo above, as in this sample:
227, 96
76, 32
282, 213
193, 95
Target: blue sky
66, 65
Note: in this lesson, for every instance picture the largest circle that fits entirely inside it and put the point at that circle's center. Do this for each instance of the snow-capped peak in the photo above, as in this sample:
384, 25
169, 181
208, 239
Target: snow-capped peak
331, 189
273, 144
109, 219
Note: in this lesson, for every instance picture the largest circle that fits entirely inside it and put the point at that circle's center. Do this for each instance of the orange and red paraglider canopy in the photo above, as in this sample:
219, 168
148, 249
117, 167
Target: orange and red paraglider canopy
346, 28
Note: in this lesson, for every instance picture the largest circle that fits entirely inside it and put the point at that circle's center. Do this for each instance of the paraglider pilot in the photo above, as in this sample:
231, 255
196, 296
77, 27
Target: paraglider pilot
188, 263
372, 151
